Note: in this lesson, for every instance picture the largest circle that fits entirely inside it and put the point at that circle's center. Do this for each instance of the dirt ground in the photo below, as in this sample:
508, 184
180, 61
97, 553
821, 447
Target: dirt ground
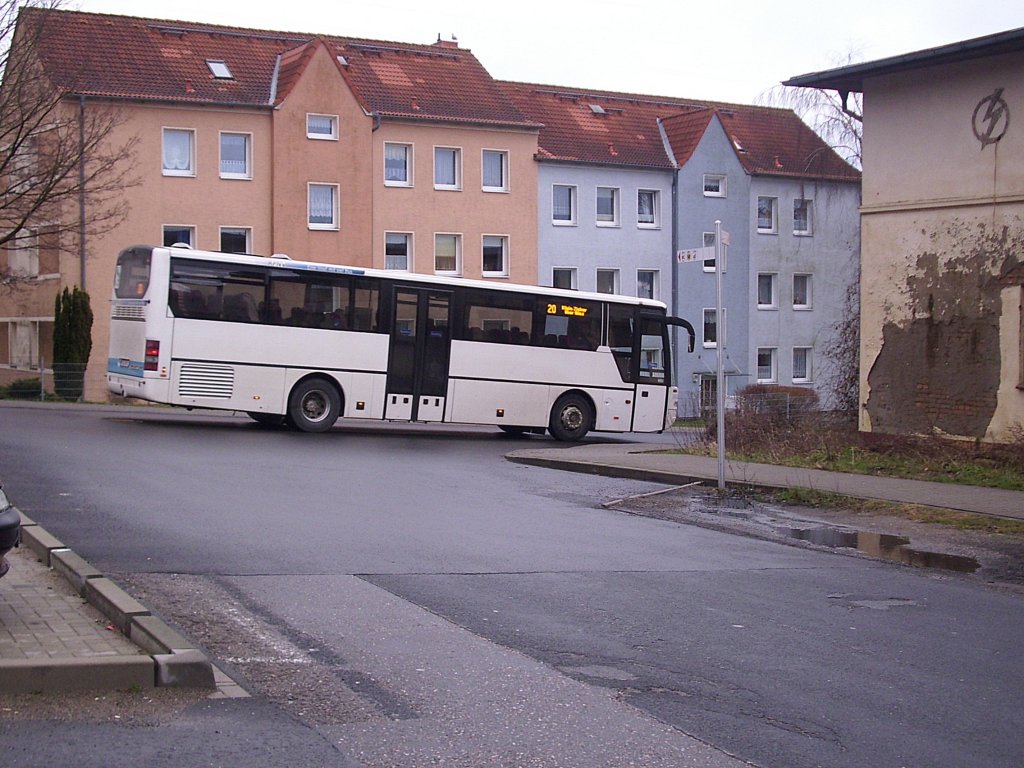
989, 558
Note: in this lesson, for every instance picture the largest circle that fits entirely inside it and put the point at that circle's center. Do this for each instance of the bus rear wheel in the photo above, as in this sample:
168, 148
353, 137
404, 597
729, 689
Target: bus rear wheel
314, 405
571, 418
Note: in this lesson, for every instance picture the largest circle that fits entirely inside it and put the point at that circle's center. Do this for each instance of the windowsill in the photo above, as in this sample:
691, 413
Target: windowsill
439, 188
648, 226
767, 232
235, 177
494, 274
494, 189
714, 195
398, 184
608, 224
323, 227
803, 381
803, 234
767, 308
321, 138
179, 174
563, 223
802, 308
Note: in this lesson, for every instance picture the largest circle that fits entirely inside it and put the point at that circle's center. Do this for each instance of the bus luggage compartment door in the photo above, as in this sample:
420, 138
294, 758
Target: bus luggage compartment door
418, 355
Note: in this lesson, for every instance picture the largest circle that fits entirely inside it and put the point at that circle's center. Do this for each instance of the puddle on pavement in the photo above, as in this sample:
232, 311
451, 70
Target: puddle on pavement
882, 546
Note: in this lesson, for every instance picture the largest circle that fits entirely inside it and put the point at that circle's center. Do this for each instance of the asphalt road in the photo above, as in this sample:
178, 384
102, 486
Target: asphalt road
403, 597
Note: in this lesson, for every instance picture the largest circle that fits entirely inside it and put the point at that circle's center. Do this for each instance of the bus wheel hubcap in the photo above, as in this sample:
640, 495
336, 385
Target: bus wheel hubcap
572, 418
314, 407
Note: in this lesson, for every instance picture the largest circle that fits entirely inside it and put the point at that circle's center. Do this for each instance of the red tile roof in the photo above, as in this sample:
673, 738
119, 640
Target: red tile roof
127, 57
588, 126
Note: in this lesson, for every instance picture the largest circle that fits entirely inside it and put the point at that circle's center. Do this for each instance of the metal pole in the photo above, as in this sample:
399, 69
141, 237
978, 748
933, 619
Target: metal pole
720, 339
42, 378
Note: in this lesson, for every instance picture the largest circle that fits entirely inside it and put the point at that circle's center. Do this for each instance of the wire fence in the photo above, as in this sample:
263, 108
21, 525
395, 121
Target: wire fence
61, 381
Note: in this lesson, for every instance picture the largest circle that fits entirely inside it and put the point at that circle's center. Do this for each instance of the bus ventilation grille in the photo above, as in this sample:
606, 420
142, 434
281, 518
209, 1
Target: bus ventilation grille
122, 312
208, 381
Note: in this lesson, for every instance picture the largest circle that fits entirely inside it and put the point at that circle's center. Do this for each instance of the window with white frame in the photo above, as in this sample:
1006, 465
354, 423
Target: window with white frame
179, 234
710, 333
714, 185
803, 217
322, 127
801, 291
447, 168
767, 365
398, 251
564, 278
708, 241
766, 297
398, 165
801, 365
236, 239
648, 205
563, 205
607, 281
179, 152
767, 215
495, 255
235, 156
495, 170
219, 69
322, 206
607, 206
647, 283
448, 254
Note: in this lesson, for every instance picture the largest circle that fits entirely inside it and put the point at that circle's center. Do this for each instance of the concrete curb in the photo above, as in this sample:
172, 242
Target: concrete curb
168, 660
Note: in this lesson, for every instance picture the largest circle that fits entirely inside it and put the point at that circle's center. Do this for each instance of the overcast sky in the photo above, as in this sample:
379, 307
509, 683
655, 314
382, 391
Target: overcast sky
722, 50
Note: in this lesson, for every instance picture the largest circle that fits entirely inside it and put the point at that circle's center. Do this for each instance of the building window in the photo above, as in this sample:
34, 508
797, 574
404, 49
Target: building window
447, 168
448, 254
564, 278
803, 217
709, 242
801, 291
607, 281
647, 283
767, 215
322, 206
607, 207
322, 127
563, 205
714, 185
801, 365
648, 204
398, 251
710, 332
766, 298
235, 239
179, 155
398, 165
177, 234
495, 256
767, 372
235, 156
495, 171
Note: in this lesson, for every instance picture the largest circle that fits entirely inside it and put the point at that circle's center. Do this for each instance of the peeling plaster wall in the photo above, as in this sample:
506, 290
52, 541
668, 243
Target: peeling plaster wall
942, 227
938, 364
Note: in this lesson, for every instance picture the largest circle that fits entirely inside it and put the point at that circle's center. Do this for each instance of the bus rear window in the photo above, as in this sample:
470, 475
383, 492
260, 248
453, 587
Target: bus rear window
131, 280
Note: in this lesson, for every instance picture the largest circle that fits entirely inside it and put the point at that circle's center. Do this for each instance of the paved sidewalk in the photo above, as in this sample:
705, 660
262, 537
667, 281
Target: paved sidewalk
65, 627
648, 462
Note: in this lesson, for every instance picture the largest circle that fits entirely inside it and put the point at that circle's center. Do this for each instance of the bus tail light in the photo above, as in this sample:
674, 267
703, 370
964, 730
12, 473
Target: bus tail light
152, 354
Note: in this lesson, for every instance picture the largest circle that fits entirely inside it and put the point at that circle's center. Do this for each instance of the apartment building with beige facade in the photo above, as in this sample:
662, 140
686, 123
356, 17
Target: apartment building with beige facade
345, 151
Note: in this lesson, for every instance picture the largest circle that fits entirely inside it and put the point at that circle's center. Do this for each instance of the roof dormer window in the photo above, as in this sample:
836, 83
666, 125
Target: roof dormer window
219, 69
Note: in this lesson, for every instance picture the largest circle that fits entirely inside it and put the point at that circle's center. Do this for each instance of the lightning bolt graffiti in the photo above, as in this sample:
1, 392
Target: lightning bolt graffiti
991, 118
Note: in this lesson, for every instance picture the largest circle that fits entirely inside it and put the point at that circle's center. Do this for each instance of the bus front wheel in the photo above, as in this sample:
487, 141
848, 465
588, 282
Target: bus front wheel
571, 418
314, 405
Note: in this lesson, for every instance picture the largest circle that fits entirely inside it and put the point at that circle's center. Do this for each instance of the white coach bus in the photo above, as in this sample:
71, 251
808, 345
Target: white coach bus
300, 343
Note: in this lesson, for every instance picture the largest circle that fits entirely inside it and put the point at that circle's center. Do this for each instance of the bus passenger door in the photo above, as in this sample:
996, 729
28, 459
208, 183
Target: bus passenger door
652, 392
418, 355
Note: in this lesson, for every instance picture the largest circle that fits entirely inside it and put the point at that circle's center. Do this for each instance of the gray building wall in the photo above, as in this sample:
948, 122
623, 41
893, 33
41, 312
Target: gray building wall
829, 255
587, 247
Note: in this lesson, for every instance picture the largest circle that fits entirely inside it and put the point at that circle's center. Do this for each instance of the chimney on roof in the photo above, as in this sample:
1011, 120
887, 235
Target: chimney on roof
453, 43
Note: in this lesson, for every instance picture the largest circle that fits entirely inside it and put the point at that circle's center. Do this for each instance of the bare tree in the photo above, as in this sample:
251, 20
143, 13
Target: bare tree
62, 174
836, 117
